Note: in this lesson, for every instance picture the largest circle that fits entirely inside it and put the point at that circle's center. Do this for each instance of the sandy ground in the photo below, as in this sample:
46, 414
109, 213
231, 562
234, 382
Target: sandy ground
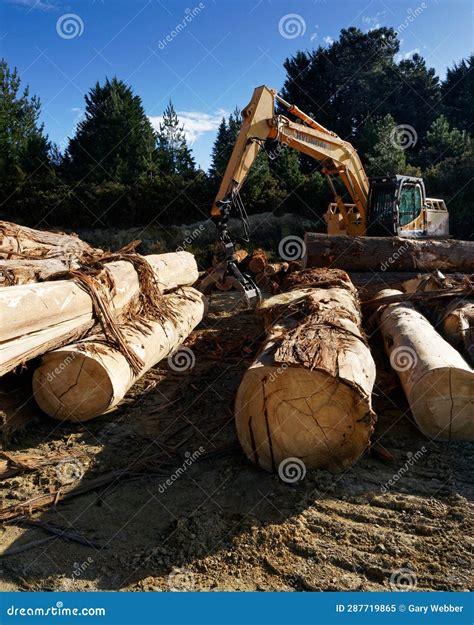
194, 514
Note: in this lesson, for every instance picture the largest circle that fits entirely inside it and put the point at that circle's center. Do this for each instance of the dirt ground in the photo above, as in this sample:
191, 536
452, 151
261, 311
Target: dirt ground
191, 513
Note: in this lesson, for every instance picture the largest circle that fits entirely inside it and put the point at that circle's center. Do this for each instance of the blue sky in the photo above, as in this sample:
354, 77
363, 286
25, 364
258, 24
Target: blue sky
224, 48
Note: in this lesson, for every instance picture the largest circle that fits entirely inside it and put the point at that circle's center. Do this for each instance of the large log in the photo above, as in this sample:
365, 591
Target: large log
25, 271
22, 242
458, 326
40, 317
388, 253
87, 379
307, 395
438, 383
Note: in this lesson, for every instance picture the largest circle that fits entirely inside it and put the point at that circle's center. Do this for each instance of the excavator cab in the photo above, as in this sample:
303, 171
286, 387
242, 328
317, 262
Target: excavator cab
397, 205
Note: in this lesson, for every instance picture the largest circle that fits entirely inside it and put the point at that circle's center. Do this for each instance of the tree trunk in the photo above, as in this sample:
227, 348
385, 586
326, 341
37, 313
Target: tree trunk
438, 383
458, 326
388, 253
86, 379
21, 242
307, 396
41, 317
25, 271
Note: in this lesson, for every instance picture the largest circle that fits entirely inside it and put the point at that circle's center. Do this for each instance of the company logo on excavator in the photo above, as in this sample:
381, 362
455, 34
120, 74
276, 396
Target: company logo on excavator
301, 136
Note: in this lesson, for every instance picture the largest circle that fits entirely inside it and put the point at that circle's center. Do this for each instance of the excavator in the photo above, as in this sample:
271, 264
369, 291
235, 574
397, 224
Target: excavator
380, 206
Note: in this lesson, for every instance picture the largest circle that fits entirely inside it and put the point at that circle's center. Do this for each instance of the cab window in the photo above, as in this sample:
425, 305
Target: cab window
410, 203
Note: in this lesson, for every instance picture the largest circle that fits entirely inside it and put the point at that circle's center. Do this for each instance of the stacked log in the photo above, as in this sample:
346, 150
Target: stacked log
307, 396
19, 242
438, 383
458, 326
37, 318
127, 311
388, 253
88, 378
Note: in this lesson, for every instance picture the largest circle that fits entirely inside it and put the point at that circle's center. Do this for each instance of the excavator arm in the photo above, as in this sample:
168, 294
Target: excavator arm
338, 157
260, 123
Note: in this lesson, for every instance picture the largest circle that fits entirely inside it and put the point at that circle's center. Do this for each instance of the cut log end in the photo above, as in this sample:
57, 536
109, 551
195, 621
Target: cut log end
72, 387
309, 415
447, 406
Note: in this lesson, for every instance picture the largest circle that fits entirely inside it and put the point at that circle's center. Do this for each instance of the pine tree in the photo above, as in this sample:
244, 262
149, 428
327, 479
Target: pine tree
24, 149
387, 157
115, 142
174, 155
444, 142
458, 94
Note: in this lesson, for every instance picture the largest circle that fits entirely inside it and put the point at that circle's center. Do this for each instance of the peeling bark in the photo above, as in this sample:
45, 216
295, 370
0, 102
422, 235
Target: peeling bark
307, 395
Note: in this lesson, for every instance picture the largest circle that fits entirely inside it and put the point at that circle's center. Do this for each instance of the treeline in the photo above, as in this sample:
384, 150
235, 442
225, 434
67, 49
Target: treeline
118, 171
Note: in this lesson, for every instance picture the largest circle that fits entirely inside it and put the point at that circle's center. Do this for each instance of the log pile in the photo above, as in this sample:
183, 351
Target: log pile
99, 321
307, 396
268, 276
438, 382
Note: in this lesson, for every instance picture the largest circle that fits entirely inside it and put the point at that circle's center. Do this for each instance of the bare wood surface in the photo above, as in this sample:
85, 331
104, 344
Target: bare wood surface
307, 395
87, 379
438, 383
41, 317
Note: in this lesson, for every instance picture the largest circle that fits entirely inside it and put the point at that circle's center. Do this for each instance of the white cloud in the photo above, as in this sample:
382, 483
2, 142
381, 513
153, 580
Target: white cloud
328, 40
195, 123
373, 21
38, 5
406, 55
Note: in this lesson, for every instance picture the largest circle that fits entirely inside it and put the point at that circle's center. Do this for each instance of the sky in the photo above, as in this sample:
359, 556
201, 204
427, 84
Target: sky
205, 56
